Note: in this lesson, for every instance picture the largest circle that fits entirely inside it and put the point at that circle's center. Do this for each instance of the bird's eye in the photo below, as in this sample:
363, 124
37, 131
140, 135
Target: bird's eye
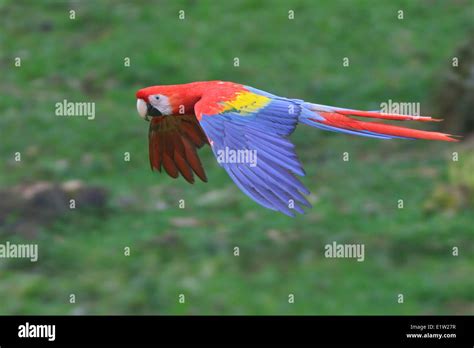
157, 97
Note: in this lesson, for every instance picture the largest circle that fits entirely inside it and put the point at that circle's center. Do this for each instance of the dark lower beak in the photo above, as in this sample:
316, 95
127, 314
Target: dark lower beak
151, 111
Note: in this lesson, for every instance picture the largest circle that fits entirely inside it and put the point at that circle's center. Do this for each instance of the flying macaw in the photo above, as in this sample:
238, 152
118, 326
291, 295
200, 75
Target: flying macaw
231, 117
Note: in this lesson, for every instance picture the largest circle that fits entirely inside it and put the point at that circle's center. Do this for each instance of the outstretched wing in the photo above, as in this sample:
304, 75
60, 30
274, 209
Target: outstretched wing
248, 124
172, 142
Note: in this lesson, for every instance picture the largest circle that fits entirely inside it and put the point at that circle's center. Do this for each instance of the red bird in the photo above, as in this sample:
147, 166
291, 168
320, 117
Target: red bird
248, 131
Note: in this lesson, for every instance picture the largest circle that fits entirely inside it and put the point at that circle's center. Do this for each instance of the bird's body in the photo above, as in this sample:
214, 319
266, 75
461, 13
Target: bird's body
249, 123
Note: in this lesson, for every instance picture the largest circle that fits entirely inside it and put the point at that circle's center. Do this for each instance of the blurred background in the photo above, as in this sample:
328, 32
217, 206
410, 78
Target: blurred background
122, 204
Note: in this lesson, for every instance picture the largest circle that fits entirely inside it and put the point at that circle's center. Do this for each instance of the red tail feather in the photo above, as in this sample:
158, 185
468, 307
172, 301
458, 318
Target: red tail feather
385, 116
339, 120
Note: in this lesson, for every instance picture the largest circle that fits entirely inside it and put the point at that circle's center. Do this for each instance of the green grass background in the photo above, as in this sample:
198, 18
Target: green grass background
407, 250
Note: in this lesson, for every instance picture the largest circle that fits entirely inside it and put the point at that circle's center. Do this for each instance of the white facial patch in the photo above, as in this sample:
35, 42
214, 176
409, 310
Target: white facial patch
161, 103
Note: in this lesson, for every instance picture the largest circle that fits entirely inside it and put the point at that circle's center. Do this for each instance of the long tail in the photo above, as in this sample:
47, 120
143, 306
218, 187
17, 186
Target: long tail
337, 120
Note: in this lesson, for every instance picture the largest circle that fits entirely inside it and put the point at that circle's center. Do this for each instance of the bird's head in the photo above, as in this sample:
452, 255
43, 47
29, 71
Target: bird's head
155, 101
168, 99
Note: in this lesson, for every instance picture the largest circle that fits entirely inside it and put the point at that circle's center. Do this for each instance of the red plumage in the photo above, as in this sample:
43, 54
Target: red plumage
340, 120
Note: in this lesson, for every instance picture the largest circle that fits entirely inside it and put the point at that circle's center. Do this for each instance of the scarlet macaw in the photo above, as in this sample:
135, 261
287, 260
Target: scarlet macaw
231, 116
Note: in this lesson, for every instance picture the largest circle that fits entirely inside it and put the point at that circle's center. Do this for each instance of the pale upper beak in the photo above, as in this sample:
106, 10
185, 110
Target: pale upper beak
142, 109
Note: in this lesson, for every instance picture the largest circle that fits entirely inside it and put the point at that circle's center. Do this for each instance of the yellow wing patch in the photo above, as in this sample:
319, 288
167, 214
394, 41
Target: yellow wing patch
245, 103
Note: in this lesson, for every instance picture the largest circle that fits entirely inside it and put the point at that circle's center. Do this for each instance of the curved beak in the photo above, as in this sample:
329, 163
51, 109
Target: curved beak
142, 109
145, 110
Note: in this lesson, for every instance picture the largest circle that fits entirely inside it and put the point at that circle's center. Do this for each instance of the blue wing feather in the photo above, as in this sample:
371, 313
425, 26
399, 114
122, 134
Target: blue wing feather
271, 182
